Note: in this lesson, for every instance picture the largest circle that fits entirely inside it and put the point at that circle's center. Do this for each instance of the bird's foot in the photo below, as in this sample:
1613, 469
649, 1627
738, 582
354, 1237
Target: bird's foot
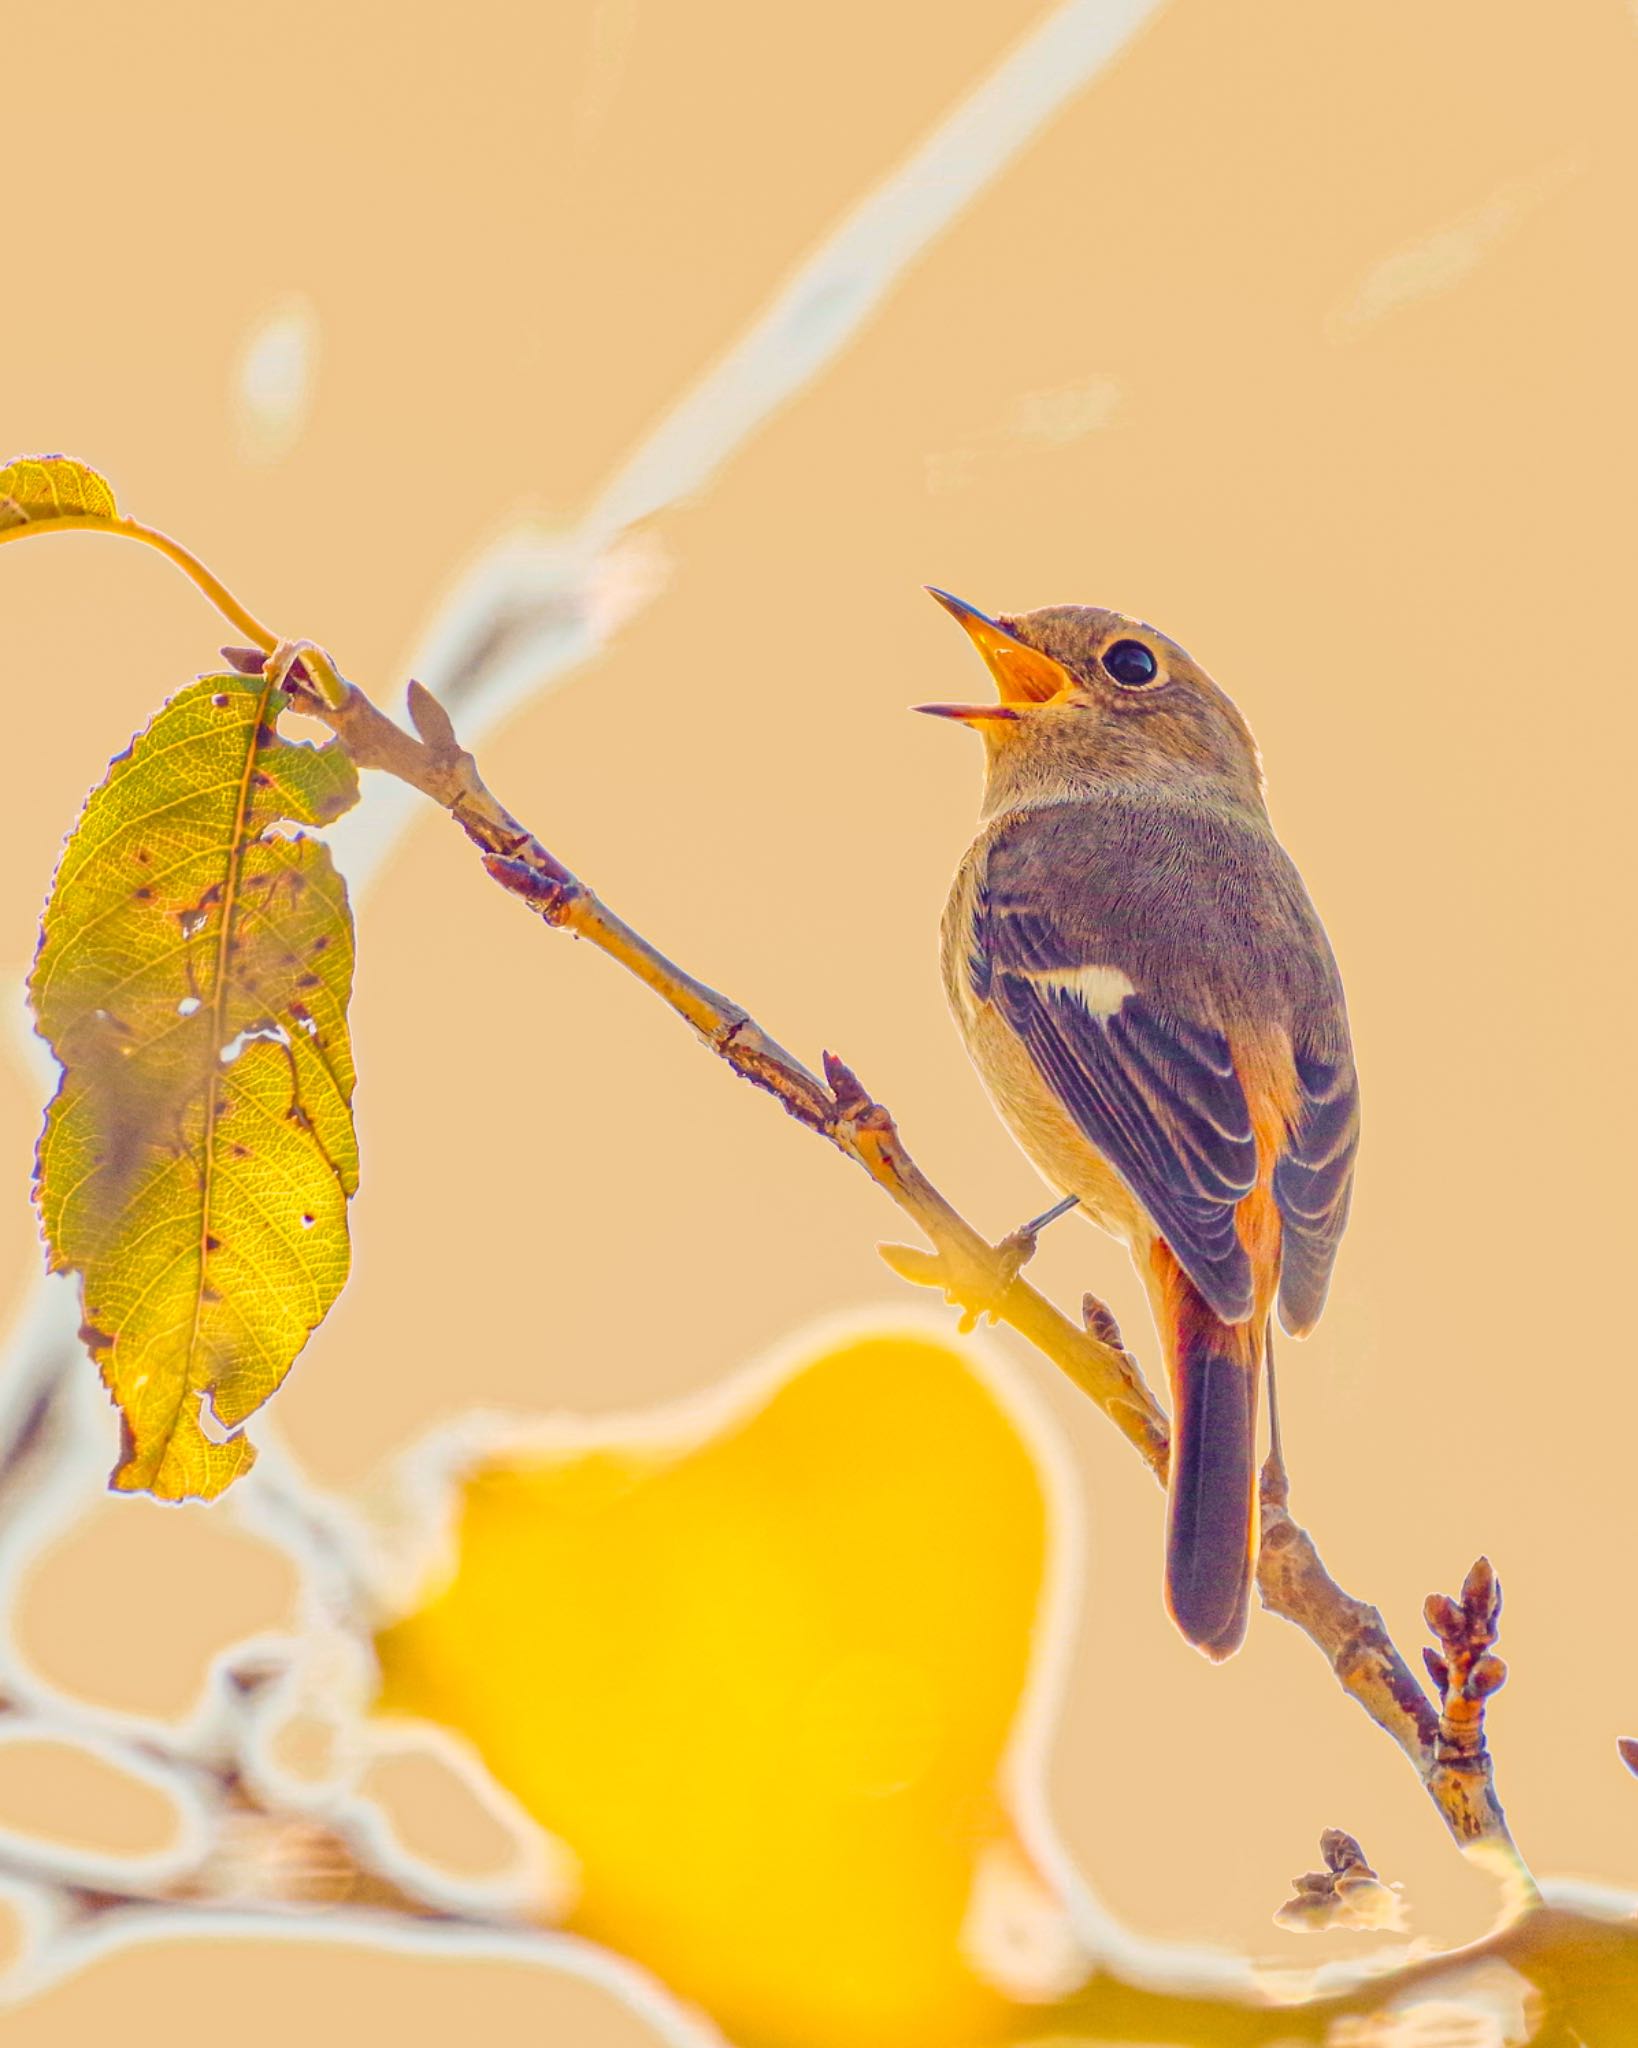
1018, 1247
1011, 1256
977, 1283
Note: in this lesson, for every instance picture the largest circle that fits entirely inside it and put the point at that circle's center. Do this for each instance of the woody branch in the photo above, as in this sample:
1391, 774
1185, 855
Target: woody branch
1445, 1740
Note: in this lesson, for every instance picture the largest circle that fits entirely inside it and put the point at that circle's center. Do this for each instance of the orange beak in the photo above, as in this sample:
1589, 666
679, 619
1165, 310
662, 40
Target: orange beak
1023, 675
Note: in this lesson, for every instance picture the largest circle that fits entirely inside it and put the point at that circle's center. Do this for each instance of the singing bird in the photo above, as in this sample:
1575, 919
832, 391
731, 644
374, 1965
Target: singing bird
1150, 998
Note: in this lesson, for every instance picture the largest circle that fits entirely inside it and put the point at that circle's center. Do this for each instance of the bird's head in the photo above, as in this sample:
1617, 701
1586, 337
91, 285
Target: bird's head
1088, 697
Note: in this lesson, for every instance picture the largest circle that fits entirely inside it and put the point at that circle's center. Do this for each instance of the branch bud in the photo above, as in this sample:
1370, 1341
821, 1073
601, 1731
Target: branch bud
1444, 1617
1481, 1594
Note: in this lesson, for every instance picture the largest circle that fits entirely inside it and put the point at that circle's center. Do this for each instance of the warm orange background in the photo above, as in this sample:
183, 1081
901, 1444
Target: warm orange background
1307, 333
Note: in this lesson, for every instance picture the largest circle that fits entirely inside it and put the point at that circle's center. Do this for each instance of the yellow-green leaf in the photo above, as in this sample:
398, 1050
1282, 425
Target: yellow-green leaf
36, 489
193, 975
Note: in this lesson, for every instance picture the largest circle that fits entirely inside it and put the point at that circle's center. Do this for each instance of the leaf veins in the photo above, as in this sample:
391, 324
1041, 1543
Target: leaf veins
193, 975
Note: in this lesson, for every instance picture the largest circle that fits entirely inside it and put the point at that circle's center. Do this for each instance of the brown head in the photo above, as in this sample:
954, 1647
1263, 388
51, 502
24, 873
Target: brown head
1089, 698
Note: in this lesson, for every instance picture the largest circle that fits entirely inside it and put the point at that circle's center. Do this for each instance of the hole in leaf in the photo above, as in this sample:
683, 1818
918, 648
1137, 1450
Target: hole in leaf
211, 1426
267, 1029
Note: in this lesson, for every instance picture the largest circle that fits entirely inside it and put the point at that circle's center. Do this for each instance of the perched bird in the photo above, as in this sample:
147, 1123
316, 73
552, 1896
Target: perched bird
1152, 1002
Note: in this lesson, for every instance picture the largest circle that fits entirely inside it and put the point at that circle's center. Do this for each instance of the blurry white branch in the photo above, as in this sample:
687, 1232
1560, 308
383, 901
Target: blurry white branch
250, 1861
534, 606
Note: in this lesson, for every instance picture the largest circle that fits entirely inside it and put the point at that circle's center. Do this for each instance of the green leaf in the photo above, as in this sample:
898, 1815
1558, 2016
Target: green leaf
193, 974
37, 489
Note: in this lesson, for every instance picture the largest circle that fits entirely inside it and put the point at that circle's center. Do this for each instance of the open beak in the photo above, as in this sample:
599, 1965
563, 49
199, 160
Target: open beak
969, 714
1023, 675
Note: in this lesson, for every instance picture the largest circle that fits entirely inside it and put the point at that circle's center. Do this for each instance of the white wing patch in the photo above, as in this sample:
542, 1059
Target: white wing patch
1101, 990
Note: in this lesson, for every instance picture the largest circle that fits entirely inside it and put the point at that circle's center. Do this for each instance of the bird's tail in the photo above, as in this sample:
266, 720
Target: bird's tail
1211, 1519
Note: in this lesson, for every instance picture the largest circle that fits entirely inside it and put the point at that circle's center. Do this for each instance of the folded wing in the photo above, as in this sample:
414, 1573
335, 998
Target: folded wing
1156, 1093
1115, 984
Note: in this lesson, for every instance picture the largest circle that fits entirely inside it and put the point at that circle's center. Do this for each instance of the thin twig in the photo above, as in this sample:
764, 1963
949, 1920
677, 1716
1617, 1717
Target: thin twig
971, 1270
1354, 1640
983, 1278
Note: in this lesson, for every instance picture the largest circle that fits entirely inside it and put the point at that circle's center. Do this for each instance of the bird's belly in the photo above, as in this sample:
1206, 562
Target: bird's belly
1053, 1141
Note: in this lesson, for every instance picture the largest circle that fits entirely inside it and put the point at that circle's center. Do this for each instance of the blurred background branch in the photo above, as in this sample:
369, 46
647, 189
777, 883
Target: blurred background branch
257, 1864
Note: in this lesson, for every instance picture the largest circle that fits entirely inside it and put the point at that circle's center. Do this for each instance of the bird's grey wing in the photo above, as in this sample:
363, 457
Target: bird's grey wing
1313, 1177
1153, 1088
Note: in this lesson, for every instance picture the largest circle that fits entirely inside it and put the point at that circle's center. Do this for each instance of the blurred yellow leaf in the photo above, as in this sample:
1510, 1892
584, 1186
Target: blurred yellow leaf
762, 1685
36, 489
193, 975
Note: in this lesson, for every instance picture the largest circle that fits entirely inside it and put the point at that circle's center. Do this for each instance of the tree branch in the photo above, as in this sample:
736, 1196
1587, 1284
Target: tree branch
1445, 1744
984, 1280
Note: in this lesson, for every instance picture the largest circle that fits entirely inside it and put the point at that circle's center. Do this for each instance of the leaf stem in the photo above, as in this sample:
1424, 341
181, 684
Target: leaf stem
198, 575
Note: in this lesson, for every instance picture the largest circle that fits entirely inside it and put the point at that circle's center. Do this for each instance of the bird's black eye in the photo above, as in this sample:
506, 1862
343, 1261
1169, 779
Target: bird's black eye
1130, 663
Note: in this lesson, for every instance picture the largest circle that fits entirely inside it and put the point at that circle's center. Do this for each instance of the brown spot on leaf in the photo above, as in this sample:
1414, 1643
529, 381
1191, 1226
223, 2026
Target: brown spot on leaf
213, 1244
94, 1339
144, 894
221, 700
309, 981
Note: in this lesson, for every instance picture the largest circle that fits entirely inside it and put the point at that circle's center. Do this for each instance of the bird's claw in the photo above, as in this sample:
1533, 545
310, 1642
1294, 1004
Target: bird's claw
979, 1284
1013, 1254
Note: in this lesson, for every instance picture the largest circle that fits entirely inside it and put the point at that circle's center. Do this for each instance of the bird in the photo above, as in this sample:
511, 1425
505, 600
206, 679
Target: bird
1152, 1002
